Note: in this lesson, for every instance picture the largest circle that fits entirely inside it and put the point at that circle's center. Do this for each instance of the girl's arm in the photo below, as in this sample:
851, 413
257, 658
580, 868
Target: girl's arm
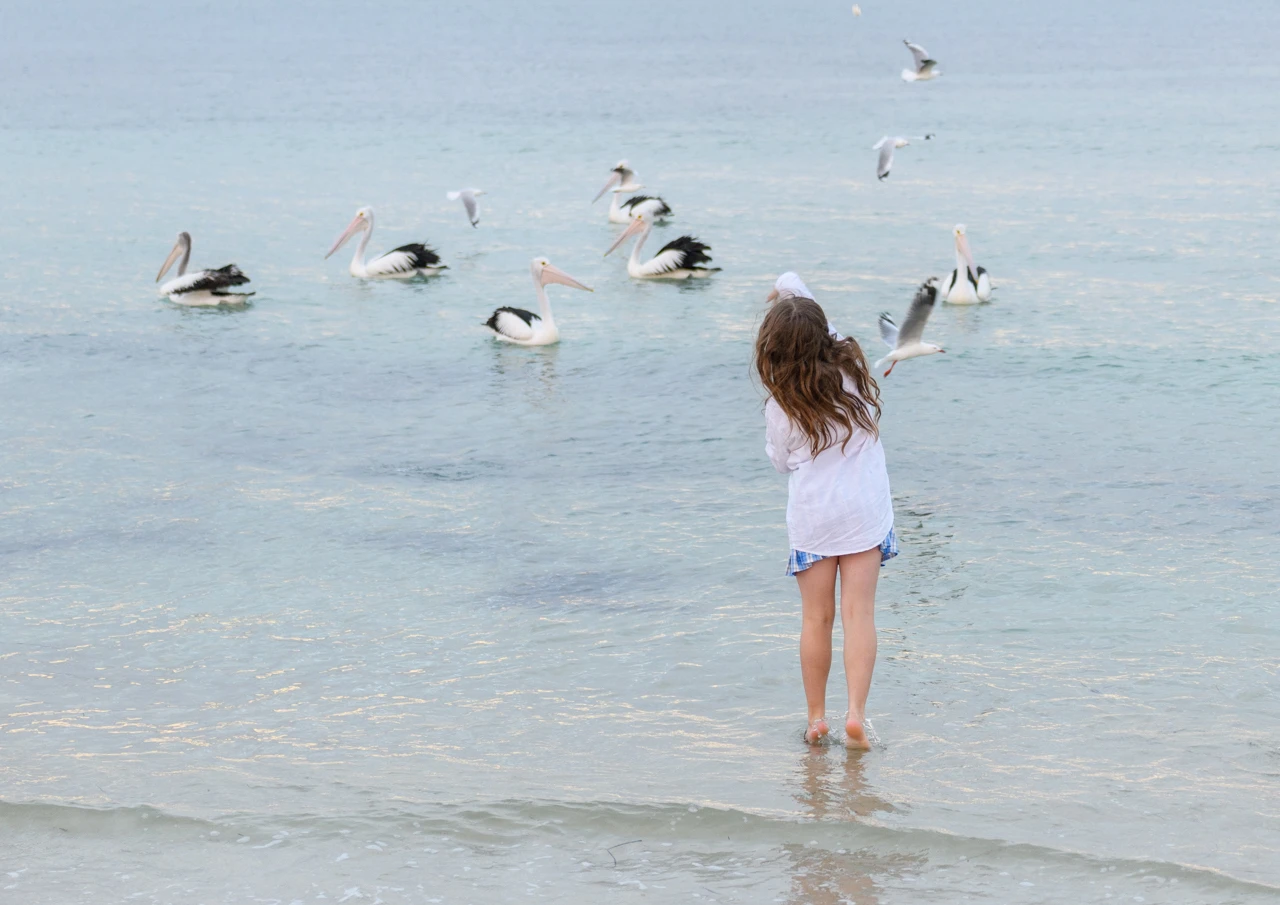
778, 437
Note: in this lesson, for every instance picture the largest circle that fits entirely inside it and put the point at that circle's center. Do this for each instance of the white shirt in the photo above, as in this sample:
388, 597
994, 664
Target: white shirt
837, 503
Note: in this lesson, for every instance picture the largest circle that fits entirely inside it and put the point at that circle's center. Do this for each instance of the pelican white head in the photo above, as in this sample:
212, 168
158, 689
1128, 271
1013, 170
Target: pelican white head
361, 222
182, 248
545, 272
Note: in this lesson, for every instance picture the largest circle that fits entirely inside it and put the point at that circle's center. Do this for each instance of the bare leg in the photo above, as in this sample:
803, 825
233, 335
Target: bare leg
858, 575
818, 604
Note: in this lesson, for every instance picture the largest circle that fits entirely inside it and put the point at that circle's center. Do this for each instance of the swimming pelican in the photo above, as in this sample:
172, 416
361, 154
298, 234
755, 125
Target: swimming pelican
204, 288
468, 197
886, 147
524, 328
975, 285
677, 260
925, 68
403, 263
906, 343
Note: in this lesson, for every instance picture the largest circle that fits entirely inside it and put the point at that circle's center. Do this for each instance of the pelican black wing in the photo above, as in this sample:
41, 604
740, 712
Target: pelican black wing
213, 280
420, 255
691, 251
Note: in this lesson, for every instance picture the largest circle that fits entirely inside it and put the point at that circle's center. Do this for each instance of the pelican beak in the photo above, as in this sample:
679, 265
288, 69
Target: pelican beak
357, 223
771, 297
168, 262
614, 179
962, 246
553, 274
634, 227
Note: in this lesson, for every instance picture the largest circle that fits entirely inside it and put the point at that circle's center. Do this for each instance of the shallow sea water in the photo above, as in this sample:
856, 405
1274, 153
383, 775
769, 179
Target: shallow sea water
335, 599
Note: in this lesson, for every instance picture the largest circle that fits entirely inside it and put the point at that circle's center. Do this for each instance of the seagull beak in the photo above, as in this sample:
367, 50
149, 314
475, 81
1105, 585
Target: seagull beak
771, 297
168, 262
614, 179
634, 227
553, 274
357, 223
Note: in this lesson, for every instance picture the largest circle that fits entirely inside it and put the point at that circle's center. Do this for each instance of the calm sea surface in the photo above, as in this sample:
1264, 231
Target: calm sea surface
334, 598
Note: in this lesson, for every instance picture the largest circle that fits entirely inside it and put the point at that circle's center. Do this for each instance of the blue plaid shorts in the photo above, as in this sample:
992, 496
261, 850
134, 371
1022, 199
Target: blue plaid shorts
800, 560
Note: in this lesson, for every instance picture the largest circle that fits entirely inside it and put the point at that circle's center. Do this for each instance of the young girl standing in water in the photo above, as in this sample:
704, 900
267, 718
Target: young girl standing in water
821, 428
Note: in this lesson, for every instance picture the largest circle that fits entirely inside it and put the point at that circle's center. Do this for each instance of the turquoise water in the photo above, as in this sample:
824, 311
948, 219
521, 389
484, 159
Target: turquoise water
333, 598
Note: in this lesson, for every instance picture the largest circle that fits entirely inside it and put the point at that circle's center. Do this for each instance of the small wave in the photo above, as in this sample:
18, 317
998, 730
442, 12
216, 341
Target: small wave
713, 829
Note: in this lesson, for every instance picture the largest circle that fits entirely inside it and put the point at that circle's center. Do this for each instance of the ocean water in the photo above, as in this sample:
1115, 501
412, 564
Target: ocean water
336, 599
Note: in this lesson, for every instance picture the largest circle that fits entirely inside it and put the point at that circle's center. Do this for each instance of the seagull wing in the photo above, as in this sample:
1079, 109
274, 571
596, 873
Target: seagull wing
888, 331
473, 209
886, 158
919, 54
921, 307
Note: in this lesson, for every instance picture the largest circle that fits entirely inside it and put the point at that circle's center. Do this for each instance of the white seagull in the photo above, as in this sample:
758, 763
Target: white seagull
680, 259
886, 147
203, 288
906, 343
925, 68
524, 328
468, 197
403, 263
968, 284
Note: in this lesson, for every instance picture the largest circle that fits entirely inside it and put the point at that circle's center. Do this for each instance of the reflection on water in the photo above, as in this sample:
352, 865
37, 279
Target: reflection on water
833, 788
531, 368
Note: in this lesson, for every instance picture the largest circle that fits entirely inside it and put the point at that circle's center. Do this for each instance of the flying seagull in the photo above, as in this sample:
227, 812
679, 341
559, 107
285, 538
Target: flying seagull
906, 343
886, 147
925, 68
468, 197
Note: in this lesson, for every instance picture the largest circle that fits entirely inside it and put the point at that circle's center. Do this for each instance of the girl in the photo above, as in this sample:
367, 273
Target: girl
821, 428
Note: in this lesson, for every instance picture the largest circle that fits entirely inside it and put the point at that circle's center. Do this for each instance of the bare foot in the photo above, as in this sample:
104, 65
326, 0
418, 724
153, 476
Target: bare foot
855, 736
817, 731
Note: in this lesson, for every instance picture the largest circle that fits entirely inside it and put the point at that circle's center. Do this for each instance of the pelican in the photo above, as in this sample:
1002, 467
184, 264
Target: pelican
968, 284
906, 343
886, 147
403, 263
204, 288
678, 260
925, 68
524, 328
468, 197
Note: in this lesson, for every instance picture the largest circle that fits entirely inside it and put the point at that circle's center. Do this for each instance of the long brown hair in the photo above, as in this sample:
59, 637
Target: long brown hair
802, 366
